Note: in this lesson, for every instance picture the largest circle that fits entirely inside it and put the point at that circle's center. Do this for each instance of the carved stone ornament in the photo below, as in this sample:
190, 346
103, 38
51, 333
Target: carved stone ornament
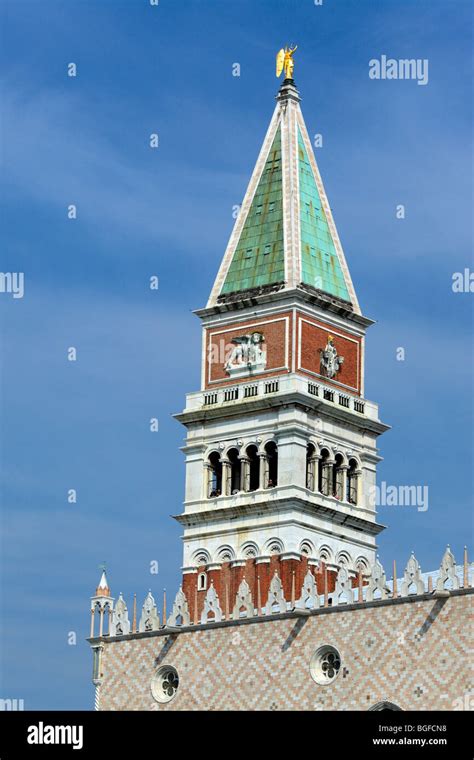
247, 355
330, 361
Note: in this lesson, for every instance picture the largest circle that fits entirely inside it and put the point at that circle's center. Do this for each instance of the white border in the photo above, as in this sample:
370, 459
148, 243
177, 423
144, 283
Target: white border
246, 325
317, 374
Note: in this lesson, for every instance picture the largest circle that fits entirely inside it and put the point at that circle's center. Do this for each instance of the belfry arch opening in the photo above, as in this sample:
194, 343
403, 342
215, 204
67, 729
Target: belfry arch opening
253, 474
214, 475
311, 467
271, 470
235, 471
352, 482
338, 478
325, 474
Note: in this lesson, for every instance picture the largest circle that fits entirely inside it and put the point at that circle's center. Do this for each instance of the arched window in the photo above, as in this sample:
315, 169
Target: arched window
271, 452
307, 548
325, 554
325, 484
352, 482
253, 471
362, 566
250, 550
338, 478
311, 467
235, 471
214, 475
202, 582
275, 546
225, 554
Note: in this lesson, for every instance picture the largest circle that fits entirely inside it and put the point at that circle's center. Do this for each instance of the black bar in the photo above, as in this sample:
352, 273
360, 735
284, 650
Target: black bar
377, 734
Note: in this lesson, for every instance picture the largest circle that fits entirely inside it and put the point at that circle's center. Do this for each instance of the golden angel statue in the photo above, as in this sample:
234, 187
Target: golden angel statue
284, 62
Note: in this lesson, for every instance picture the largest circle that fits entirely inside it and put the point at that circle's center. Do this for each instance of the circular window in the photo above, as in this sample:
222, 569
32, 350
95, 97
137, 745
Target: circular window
164, 684
325, 665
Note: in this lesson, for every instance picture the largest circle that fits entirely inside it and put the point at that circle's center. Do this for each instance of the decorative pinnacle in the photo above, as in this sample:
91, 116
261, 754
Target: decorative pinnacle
103, 587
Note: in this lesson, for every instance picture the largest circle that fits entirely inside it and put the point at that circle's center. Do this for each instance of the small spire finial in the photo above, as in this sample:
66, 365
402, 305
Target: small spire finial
103, 587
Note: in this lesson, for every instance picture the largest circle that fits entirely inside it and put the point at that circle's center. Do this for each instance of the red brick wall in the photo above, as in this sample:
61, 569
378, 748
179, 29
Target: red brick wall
314, 336
227, 579
219, 343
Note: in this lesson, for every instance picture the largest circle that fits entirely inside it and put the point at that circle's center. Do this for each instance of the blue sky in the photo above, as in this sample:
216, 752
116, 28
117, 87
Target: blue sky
84, 140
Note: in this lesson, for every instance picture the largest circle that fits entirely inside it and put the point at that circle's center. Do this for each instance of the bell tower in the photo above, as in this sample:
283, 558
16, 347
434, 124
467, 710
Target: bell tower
280, 449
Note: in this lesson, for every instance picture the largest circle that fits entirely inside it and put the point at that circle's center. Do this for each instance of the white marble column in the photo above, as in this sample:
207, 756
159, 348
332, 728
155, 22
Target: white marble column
209, 470
244, 473
263, 479
226, 477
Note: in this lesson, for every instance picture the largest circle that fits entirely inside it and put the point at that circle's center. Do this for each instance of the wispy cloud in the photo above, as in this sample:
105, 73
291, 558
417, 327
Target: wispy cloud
55, 156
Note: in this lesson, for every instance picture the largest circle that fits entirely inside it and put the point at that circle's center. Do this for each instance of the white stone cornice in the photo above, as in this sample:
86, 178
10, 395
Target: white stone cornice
277, 497
271, 303
290, 555
238, 563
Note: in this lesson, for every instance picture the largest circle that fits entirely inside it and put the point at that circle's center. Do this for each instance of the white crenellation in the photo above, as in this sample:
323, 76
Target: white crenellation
309, 598
412, 577
447, 572
276, 601
149, 619
377, 582
180, 612
120, 624
243, 606
212, 611
343, 593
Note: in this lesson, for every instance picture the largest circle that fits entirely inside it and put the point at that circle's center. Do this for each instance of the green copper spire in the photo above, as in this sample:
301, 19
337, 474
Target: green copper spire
259, 258
320, 265
285, 237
